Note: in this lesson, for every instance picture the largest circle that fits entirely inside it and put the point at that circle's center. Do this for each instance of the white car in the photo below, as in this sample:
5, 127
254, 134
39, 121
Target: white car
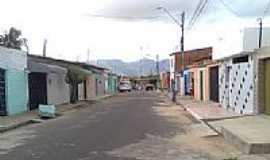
124, 86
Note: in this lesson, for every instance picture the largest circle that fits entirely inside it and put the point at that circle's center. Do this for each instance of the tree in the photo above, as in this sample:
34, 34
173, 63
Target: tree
12, 39
74, 77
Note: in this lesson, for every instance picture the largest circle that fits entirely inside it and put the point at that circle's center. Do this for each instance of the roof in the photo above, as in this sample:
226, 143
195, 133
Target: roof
244, 53
45, 68
53, 60
199, 50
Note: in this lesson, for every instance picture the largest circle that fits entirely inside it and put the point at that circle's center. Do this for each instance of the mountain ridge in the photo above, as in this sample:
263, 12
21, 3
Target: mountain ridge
143, 66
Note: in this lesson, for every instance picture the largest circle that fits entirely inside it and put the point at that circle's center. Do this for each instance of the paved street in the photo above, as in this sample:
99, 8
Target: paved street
126, 127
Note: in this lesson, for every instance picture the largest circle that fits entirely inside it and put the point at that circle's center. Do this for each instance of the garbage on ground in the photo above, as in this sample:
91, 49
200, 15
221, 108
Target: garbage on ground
46, 111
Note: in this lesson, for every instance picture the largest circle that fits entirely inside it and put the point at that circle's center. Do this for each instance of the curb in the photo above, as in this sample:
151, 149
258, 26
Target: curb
15, 126
32, 121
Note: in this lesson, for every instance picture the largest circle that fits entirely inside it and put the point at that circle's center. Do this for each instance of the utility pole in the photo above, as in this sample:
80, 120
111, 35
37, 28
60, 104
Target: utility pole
44, 47
88, 56
183, 42
157, 64
260, 32
158, 76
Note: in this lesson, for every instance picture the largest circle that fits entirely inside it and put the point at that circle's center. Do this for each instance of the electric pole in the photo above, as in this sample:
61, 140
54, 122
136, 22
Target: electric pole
158, 76
182, 43
44, 47
88, 56
260, 32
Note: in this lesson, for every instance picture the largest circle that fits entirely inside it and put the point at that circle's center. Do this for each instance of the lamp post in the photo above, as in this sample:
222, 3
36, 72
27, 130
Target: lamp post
182, 27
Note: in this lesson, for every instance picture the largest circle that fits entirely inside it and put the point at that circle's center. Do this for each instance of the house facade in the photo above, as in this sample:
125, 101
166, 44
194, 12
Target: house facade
13, 81
112, 83
262, 80
177, 66
47, 84
236, 83
165, 81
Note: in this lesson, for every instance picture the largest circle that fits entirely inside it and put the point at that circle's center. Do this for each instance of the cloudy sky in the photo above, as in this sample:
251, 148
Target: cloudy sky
128, 29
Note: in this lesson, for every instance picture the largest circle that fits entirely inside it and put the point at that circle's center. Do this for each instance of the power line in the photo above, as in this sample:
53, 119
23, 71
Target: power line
229, 8
199, 13
195, 12
266, 9
122, 17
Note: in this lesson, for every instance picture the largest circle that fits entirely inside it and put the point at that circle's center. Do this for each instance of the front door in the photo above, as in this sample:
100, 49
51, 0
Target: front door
214, 88
37, 89
267, 87
3, 110
201, 85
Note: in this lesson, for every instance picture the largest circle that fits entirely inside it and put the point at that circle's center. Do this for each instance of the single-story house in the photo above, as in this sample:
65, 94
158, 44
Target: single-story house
47, 84
237, 78
262, 80
13, 81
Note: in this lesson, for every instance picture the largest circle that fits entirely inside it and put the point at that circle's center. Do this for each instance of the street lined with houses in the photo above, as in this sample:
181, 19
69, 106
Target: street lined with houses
127, 126
135, 80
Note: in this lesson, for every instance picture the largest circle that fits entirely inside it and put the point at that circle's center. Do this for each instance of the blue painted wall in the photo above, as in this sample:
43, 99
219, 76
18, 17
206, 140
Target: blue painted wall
14, 62
16, 91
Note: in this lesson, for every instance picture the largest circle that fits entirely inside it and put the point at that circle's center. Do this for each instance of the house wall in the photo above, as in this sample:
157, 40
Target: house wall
112, 81
259, 62
58, 89
191, 57
194, 73
204, 83
14, 62
237, 86
100, 85
91, 86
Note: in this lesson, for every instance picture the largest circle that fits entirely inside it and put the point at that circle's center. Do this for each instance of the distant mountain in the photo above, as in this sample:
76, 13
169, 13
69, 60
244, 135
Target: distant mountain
141, 67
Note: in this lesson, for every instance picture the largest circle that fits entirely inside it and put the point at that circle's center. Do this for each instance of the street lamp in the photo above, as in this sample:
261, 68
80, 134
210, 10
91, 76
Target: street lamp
181, 25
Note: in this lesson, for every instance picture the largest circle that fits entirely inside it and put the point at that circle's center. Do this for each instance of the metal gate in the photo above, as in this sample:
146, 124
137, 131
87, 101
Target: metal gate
214, 88
3, 110
37, 89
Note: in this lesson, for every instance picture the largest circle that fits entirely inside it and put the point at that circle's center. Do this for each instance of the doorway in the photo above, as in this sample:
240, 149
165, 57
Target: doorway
214, 88
267, 87
3, 109
37, 89
201, 86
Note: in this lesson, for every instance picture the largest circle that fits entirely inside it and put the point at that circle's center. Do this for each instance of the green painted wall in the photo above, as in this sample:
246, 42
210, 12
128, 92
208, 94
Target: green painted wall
14, 62
112, 84
16, 91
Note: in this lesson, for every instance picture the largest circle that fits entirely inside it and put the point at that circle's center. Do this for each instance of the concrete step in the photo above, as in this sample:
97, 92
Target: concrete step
249, 134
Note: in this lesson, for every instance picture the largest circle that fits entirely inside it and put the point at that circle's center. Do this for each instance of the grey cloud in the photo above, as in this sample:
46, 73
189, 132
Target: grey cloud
145, 10
137, 10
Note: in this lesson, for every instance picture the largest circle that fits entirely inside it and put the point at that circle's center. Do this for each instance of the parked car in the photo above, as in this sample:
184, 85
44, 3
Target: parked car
149, 87
125, 86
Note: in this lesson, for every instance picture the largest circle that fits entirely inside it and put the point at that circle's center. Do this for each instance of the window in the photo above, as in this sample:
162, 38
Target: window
242, 59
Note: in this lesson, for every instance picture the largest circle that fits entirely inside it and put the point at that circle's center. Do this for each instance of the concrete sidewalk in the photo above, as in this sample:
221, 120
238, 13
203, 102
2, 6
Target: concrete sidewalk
11, 122
206, 111
250, 134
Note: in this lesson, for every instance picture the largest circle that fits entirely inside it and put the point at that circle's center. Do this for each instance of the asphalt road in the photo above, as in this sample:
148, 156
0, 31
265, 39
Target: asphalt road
90, 133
